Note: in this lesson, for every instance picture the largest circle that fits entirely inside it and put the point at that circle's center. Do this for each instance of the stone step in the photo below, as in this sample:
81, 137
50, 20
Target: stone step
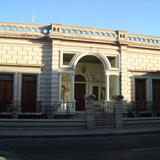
41, 123
133, 122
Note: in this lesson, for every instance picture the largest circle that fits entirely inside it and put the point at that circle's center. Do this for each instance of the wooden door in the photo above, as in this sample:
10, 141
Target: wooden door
29, 93
140, 94
80, 90
156, 94
6, 92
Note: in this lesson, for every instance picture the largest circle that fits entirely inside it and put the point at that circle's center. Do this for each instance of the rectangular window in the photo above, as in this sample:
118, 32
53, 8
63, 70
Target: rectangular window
67, 57
112, 61
95, 91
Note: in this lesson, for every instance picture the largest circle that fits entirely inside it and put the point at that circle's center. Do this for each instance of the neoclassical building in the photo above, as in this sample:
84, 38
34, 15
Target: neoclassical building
57, 65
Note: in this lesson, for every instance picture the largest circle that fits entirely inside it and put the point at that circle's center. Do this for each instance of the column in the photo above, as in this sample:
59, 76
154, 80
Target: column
72, 100
15, 88
72, 86
19, 89
107, 87
60, 83
118, 85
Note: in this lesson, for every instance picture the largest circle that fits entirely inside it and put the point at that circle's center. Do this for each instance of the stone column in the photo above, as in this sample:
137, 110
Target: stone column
72, 100
118, 85
14, 103
107, 87
118, 108
60, 81
17, 105
89, 108
72, 87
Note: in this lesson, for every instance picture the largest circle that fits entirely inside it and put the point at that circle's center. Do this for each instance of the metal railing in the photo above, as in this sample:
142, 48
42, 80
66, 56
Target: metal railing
47, 109
135, 108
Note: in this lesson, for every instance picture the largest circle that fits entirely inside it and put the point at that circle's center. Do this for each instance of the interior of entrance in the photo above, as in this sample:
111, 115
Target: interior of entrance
89, 79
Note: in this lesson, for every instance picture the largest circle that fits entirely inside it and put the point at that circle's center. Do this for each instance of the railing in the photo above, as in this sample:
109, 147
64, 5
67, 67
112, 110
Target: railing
137, 108
76, 31
143, 39
19, 106
85, 31
25, 28
108, 107
64, 107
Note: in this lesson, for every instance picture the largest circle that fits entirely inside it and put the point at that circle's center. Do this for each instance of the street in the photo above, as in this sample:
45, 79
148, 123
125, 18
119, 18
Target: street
129, 147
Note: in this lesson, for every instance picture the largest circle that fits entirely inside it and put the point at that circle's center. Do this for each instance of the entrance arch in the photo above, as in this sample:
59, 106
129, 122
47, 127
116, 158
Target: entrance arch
89, 79
102, 58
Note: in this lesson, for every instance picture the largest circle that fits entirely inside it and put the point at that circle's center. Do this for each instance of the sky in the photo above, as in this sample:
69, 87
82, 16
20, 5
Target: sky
134, 16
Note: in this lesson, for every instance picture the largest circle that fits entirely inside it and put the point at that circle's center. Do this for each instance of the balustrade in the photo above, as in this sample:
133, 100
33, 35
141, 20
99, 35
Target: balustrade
29, 28
85, 31
89, 32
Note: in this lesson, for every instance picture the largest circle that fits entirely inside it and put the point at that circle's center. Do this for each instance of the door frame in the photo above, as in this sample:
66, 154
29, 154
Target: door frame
81, 82
37, 86
12, 90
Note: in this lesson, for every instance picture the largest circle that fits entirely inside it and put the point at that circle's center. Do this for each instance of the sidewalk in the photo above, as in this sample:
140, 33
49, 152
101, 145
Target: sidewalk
58, 133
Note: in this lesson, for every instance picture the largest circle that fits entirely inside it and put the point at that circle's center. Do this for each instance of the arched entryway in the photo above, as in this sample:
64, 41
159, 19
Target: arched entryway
89, 74
89, 79
80, 91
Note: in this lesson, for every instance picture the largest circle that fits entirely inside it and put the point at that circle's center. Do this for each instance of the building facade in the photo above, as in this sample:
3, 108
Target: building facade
44, 65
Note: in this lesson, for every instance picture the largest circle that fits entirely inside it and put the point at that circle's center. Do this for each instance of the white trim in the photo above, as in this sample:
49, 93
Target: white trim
22, 69
61, 52
101, 57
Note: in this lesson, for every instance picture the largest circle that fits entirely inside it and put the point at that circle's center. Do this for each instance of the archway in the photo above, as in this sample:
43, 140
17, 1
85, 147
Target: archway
89, 79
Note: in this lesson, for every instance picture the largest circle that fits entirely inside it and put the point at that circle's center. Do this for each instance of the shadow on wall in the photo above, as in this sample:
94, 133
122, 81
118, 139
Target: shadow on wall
46, 72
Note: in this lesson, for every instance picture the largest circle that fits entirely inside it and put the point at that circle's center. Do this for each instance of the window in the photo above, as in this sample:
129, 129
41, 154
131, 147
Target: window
79, 78
67, 57
95, 91
112, 61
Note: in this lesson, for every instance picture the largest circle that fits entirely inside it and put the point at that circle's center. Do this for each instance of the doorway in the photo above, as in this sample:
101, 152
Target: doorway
156, 94
80, 91
29, 87
6, 92
140, 94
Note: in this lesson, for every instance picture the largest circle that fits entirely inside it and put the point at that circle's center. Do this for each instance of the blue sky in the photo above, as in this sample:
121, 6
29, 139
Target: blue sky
135, 16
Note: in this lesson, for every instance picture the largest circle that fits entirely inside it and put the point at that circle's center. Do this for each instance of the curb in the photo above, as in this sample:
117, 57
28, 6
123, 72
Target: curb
70, 135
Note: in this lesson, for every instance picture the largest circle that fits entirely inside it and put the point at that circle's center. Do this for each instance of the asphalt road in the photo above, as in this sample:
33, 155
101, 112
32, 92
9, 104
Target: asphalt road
130, 147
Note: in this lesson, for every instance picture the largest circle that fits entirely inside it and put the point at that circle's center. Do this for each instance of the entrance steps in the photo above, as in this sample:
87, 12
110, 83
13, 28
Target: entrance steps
79, 115
41, 123
141, 121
